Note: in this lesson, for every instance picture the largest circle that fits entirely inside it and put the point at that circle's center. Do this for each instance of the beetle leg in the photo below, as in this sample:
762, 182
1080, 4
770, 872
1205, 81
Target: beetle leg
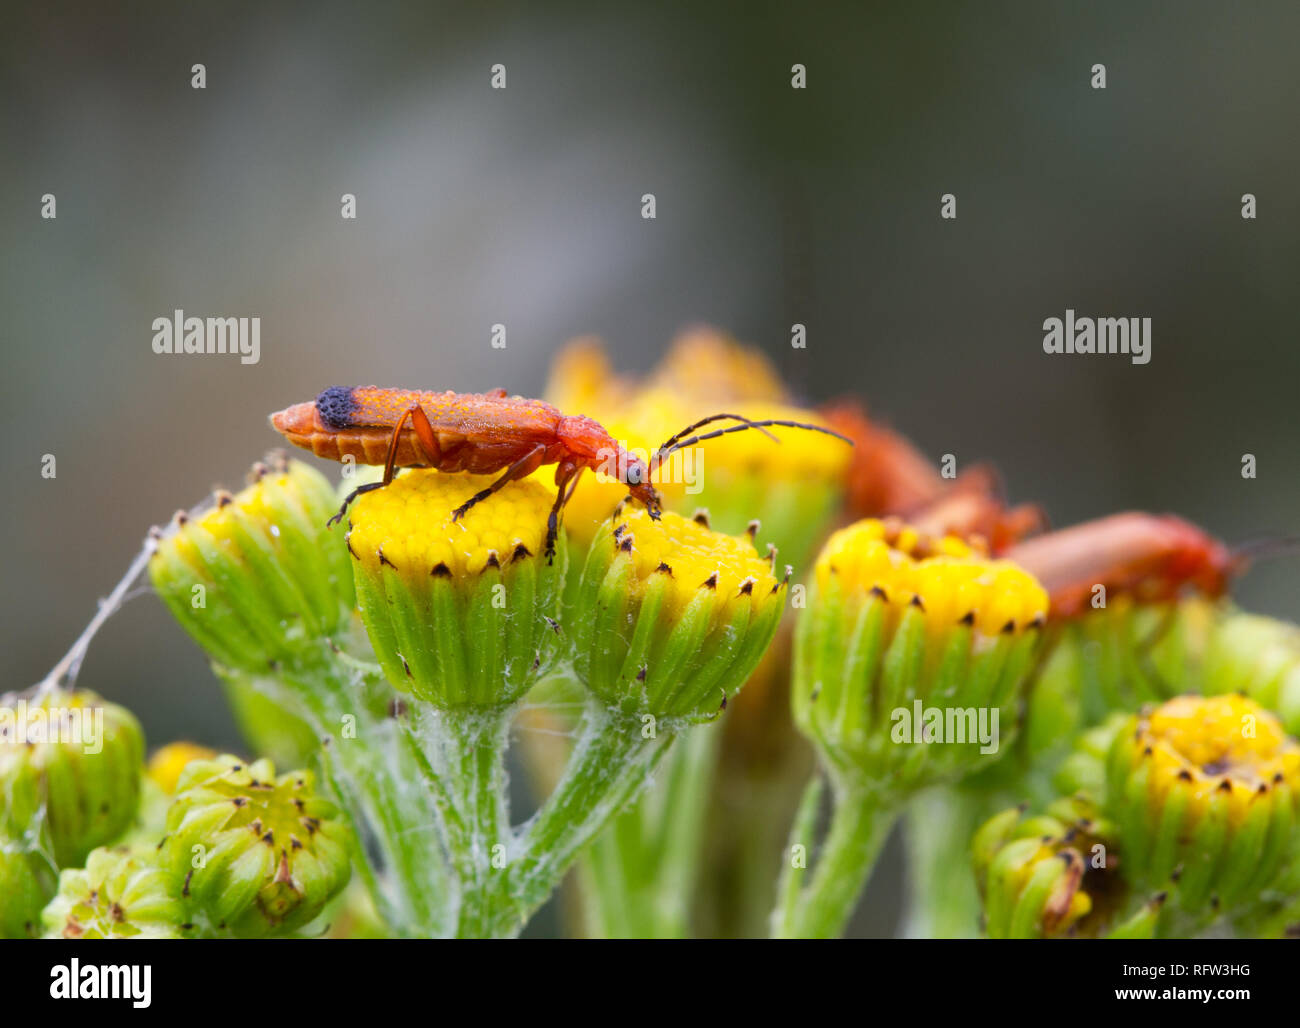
566, 480
391, 460
425, 434
569, 495
352, 496
521, 468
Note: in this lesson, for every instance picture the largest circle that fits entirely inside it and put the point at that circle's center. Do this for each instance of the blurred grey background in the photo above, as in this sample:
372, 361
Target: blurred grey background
522, 206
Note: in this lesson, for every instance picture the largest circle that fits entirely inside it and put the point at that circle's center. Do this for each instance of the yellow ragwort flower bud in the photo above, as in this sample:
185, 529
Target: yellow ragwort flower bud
911, 654
1204, 791
1046, 876
671, 617
461, 613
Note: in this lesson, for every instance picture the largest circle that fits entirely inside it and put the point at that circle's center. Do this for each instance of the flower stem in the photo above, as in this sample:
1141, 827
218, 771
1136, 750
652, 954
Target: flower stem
860, 824
680, 810
943, 901
789, 886
464, 753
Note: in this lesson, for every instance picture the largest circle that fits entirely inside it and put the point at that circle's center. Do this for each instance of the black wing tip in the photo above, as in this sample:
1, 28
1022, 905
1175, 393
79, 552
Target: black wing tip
336, 406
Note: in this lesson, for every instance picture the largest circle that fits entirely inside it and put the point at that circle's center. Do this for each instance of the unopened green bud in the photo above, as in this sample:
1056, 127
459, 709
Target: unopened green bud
119, 894
253, 854
1258, 657
1037, 874
26, 883
70, 767
259, 576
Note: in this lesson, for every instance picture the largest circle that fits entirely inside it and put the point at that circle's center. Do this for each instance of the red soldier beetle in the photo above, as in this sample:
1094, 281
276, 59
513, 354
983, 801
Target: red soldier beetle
483, 433
1151, 557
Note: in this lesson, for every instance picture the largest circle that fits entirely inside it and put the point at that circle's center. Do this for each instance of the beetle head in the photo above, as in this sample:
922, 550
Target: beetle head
636, 476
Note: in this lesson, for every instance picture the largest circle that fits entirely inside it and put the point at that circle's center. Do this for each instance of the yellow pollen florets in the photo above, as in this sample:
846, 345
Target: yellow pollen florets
952, 585
222, 519
408, 524
694, 557
1225, 743
166, 765
705, 363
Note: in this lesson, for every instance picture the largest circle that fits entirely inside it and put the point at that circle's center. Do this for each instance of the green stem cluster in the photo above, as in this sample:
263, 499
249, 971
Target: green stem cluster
426, 790
640, 874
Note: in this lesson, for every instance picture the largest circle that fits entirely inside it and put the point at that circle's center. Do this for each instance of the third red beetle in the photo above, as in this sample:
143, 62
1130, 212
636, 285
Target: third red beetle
1152, 557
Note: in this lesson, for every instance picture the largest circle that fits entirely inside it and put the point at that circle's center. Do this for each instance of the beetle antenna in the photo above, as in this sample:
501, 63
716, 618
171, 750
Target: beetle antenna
704, 421
677, 443
1267, 546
